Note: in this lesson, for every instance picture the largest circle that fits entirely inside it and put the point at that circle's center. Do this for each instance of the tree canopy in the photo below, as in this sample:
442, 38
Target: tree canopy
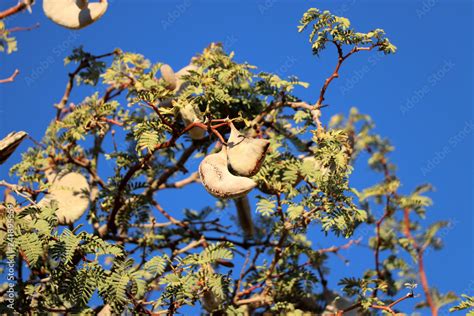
142, 133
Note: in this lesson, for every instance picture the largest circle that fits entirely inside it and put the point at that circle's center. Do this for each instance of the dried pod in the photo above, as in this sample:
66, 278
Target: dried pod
180, 84
74, 14
178, 81
191, 114
169, 76
246, 154
217, 179
71, 191
245, 216
210, 302
9, 144
105, 311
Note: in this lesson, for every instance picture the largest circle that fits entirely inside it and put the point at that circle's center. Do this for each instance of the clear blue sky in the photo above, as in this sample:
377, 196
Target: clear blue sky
420, 98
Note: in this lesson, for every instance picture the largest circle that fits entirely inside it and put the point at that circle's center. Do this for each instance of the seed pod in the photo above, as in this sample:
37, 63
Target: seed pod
180, 84
191, 114
74, 14
218, 180
209, 301
245, 216
105, 311
9, 144
169, 76
71, 191
246, 154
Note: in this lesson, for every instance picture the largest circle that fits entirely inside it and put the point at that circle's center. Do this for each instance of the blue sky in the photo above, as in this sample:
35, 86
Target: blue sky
420, 98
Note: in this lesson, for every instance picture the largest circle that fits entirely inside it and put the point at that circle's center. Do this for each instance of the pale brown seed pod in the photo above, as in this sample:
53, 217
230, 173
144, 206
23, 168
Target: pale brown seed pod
217, 179
74, 14
244, 215
71, 192
245, 154
105, 311
169, 76
9, 144
180, 83
190, 114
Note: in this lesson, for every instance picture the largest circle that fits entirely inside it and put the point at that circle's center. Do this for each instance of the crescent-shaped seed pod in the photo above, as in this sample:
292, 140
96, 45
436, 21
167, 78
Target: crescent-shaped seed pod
74, 14
71, 191
217, 179
9, 144
169, 76
246, 154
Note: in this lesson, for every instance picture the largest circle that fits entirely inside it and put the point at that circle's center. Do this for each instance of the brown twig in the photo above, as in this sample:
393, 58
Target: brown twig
421, 268
84, 63
343, 247
316, 112
161, 116
388, 308
378, 224
20, 6
11, 78
194, 177
21, 29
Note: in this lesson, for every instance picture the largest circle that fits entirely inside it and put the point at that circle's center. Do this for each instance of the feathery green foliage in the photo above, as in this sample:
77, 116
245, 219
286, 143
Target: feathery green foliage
139, 257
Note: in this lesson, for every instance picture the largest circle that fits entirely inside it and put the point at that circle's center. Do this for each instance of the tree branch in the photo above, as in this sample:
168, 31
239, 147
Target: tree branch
421, 267
20, 6
11, 78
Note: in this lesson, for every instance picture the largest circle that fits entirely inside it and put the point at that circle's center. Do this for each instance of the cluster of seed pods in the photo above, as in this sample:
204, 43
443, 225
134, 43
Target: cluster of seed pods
189, 113
226, 174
